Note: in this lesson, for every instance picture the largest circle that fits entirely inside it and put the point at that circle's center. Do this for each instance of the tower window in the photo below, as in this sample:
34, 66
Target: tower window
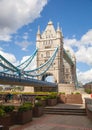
41, 55
46, 47
67, 70
46, 60
47, 54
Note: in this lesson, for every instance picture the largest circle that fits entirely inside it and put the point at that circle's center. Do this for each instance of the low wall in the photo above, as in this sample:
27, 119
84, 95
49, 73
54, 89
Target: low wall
88, 106
71, 98
67, 88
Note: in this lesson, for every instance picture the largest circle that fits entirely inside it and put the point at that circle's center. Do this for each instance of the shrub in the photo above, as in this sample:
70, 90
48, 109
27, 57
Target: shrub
37, 104
52, 96
25, 107
62, 93
2, 112
9, 108
88, 91
38, 97
2, 107
77, 93
44, 97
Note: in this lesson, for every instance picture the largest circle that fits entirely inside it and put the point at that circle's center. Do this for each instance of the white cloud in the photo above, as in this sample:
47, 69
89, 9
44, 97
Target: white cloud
87, 38
16, 13
32, 65
70, 42
24, 44
8, 56
85, 77
1, 49
5, 37
84, 47
84, 55
25, 37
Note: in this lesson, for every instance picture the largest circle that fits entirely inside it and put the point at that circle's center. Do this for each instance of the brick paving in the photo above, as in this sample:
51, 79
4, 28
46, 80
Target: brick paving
57, 122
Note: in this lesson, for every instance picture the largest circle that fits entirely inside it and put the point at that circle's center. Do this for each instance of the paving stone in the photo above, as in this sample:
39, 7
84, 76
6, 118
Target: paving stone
58, 122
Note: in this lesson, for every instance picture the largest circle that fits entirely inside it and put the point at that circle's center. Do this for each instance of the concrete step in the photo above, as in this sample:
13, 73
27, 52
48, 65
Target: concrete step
64, 111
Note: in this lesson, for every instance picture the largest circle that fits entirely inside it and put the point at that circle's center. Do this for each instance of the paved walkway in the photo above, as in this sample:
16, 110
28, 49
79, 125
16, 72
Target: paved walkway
57, 122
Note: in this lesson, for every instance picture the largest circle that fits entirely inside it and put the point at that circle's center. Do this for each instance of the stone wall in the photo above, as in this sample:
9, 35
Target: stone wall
67, 88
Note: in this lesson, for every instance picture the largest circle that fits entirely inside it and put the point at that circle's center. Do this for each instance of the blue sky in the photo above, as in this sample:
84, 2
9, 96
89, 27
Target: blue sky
19, 21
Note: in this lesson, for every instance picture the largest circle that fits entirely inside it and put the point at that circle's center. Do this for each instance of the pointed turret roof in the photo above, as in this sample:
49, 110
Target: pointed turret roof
50, 30
58, 28
38, 32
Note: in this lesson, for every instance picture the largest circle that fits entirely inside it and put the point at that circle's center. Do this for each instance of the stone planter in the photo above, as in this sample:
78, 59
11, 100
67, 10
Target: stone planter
74, 98
62, 98
52, 102
13, 117
44, 103
24, 117
37, 111
5, 121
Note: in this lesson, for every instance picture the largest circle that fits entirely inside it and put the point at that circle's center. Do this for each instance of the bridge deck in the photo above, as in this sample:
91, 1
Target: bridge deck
16, 80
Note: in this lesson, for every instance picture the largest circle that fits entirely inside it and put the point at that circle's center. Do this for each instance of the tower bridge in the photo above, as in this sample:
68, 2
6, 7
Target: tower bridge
52, 60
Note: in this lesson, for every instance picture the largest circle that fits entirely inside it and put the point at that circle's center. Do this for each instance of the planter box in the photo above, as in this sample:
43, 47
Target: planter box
13, 117
24, 117
37, 111
44, 103
74, 98
5, 121
62, 98
52, 102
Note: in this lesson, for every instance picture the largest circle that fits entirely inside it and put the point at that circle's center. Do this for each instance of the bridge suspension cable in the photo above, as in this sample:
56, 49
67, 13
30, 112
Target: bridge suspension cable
31, 73
5, 64
43, 68
27, 62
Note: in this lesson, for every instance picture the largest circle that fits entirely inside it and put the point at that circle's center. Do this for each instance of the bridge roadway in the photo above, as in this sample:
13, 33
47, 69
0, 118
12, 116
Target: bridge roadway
9, 79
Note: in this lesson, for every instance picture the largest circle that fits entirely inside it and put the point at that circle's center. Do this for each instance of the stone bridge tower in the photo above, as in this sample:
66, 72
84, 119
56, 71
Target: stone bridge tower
46, 43
63, 68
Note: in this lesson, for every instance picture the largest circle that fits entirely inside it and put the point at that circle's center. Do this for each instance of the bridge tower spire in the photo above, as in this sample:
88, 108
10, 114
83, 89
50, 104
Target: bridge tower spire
38, 37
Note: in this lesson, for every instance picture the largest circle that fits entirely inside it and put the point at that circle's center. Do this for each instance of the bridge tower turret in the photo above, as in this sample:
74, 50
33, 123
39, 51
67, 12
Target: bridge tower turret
38, 37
